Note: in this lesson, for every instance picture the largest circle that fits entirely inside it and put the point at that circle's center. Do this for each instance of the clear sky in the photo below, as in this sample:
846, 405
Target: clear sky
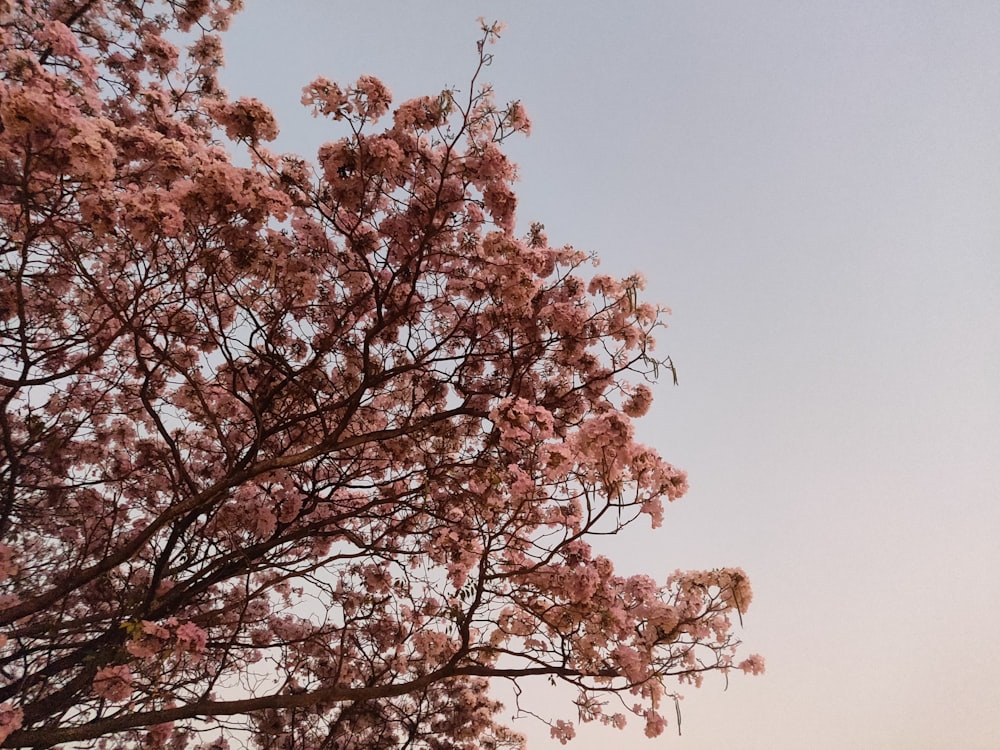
814, 188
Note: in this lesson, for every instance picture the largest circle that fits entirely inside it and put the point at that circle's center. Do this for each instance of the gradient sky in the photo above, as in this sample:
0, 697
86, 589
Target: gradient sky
814, 188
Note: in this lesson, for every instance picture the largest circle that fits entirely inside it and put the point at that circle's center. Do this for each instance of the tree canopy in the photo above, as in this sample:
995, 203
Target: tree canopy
304, 454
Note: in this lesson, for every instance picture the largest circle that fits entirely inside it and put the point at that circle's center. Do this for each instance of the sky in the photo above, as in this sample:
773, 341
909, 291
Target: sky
814, 189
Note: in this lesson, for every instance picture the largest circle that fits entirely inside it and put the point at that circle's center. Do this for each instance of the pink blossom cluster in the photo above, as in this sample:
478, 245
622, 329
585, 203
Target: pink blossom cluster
114, 683
8, 567
11, 719
152, 640
247, 118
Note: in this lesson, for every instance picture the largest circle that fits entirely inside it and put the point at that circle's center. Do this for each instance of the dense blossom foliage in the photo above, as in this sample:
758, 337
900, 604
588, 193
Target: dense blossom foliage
304, 455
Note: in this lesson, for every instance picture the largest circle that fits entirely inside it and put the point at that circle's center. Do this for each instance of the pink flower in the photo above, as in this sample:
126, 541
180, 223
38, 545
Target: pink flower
655, 724
639, 403
422, 113
10, 720
248, 119
113, 683
207, 50
754, 664
142, 649
563, 731
158, 734
326, 98
191, 638
7, 565
517, 118
373, 97
157, 631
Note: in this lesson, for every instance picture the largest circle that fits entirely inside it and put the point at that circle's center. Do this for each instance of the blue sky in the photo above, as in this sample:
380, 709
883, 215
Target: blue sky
814, 189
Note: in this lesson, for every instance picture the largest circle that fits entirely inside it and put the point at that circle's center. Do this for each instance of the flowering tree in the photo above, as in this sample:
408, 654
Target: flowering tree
305, 455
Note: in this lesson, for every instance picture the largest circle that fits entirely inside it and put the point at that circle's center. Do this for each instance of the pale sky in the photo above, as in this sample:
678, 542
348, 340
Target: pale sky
814, 189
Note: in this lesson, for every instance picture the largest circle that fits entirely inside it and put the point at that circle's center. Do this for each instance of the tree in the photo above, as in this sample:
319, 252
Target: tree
305, 455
